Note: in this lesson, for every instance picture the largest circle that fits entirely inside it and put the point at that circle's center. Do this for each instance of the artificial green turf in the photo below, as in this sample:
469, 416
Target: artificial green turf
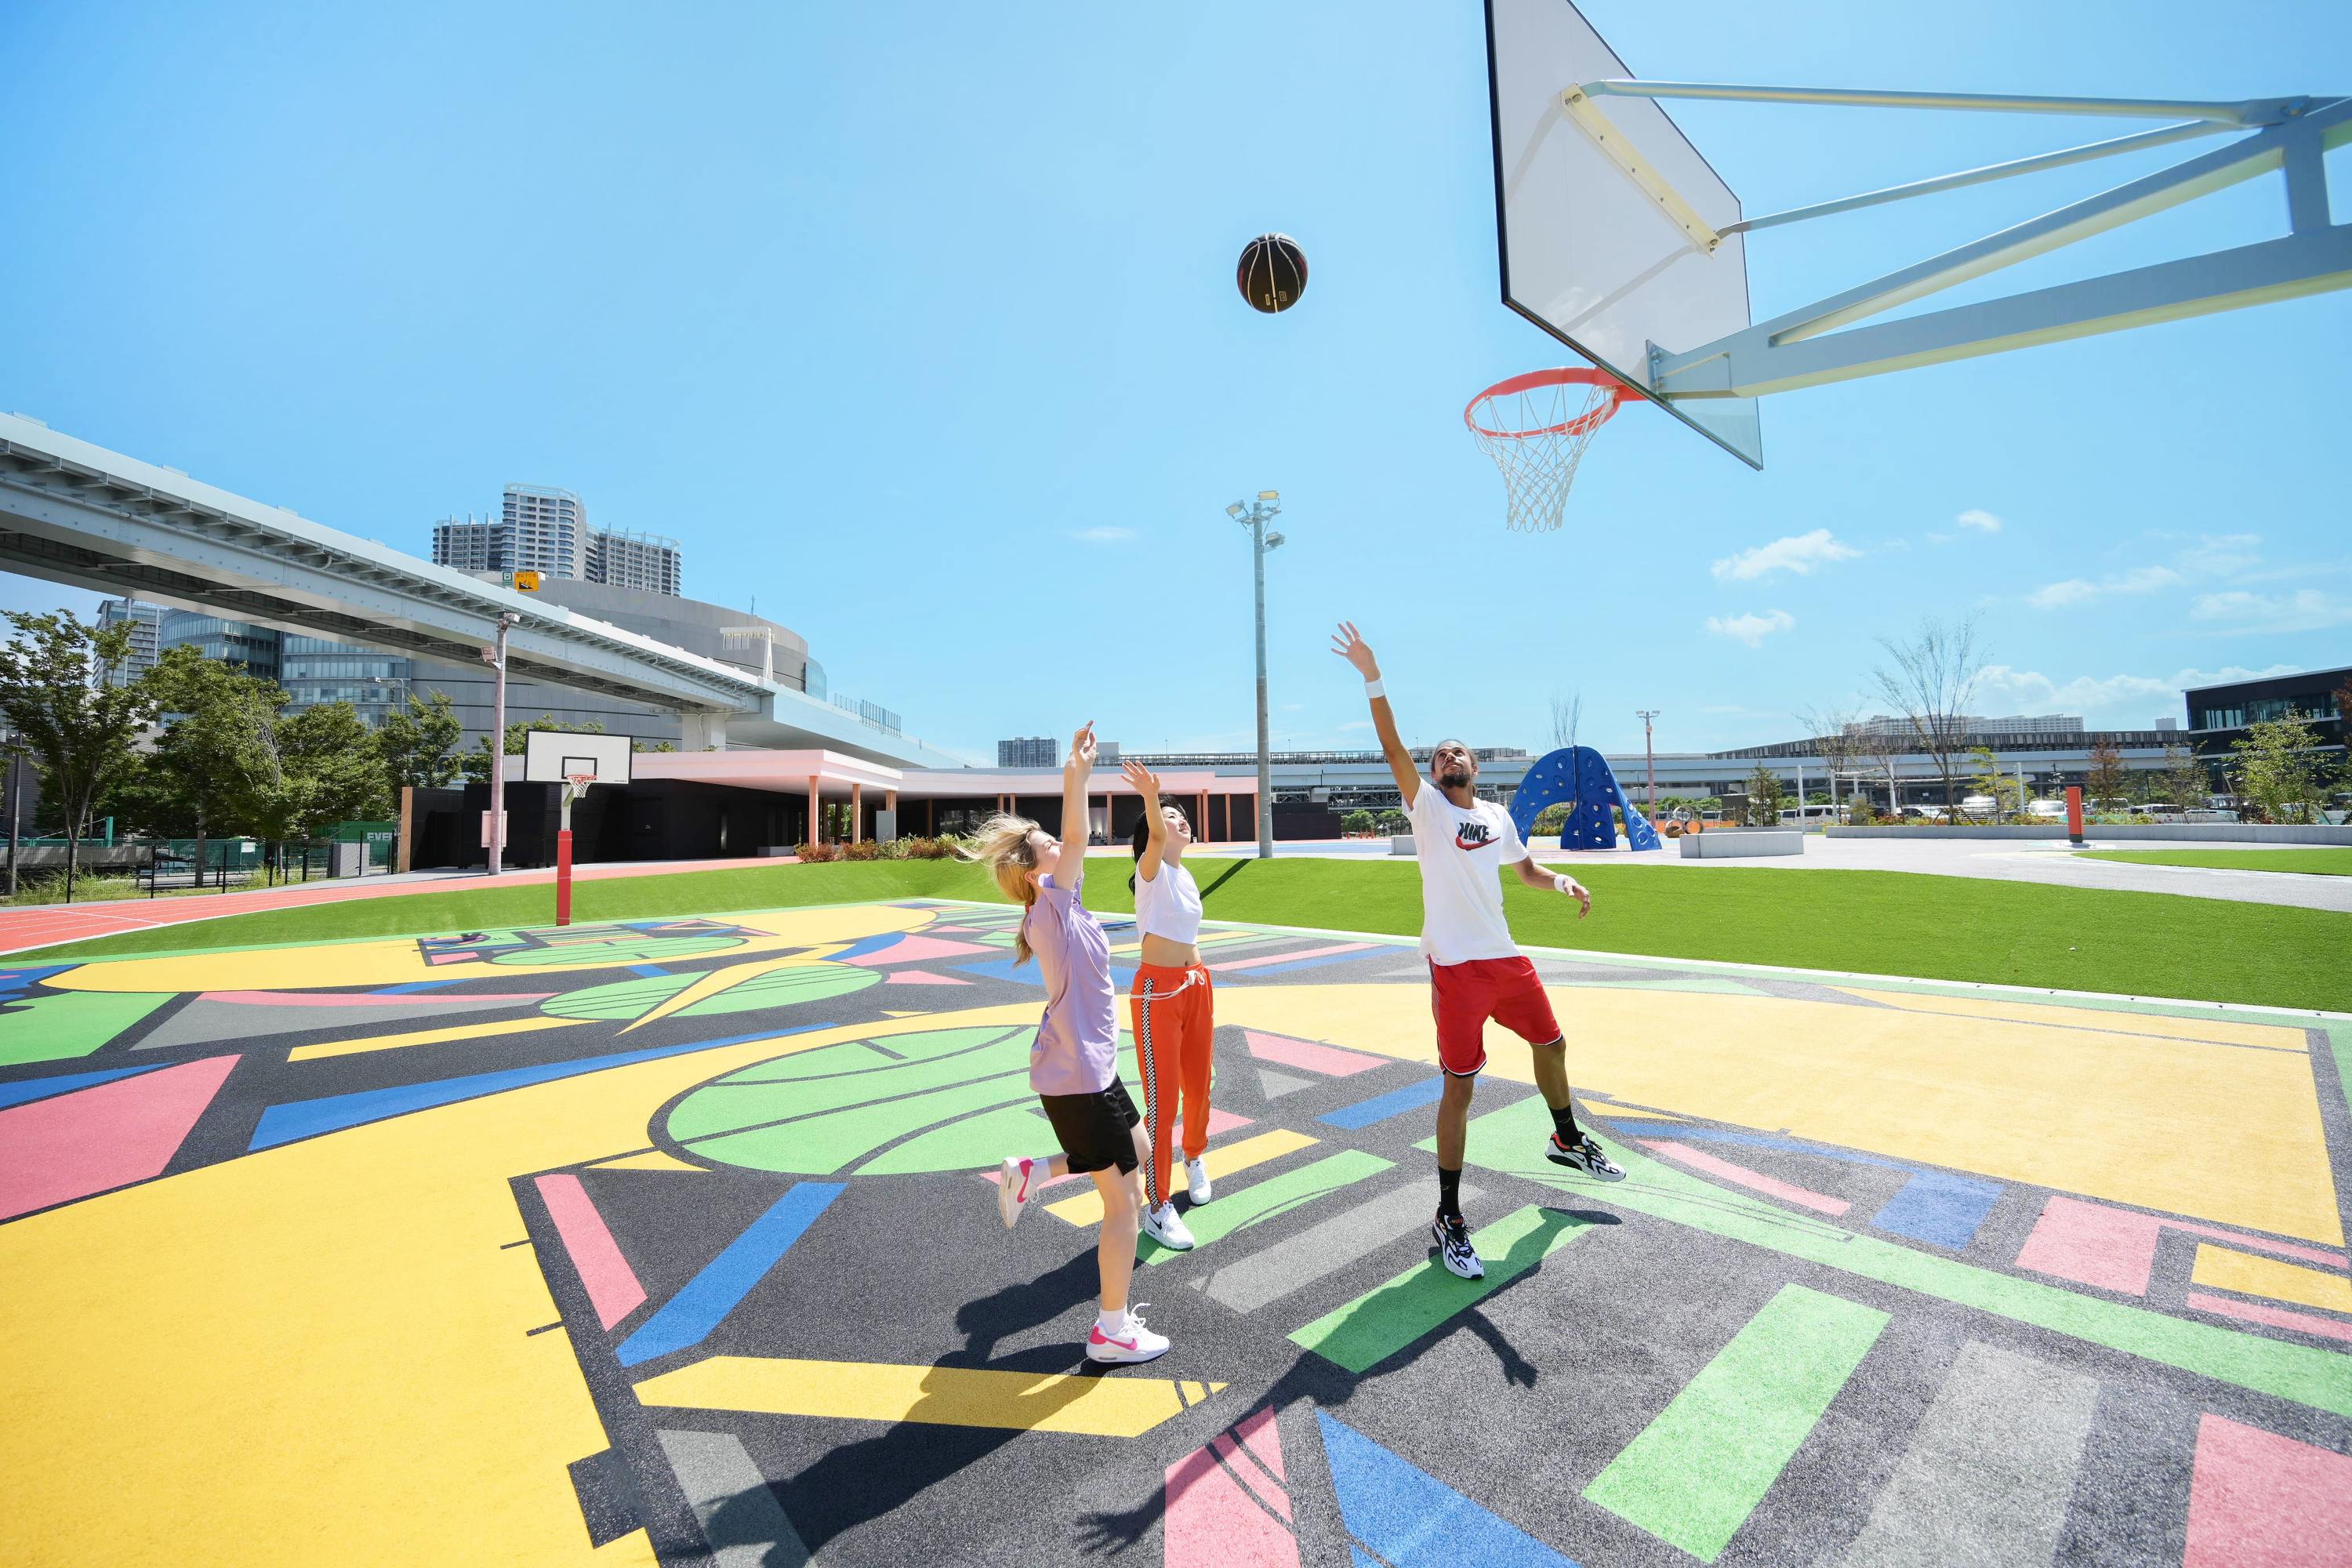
2315, 862
1877, 923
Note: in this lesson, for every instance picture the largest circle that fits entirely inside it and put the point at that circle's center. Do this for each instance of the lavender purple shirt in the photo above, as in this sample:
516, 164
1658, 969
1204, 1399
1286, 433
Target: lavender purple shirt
1078, 1041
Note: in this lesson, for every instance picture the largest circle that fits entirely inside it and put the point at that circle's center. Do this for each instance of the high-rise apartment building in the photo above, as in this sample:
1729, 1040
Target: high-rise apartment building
1028, 752
470, 545
144, 621
546, 530
647, 562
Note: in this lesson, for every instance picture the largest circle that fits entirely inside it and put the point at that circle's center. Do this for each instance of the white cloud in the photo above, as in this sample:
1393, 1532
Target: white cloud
1799, 553
1103, 535
2030, 691
2220, 555
1982, 522
2304, 610
1752, 628
2076, 590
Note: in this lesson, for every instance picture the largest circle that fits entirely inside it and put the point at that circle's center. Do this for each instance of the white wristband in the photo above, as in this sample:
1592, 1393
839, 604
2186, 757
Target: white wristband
1559, 883
1374, 689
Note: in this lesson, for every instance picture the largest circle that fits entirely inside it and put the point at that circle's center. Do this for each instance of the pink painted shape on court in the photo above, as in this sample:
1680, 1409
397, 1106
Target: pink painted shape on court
2260, 1500
2273, 1317
358, 999
921, 977
2115, 1249
97, 1139
1210, 1517
1229, 965
1330, 1060
613, 1286
915, 950
1772, 1186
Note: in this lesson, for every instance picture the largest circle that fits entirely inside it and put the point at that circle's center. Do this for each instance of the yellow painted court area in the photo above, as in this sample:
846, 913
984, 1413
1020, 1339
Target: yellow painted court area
1224, 1161
2210, 1132
2226, 1269
320, 1353
497, 1029
2221, 1031
1123, 1406
397, 961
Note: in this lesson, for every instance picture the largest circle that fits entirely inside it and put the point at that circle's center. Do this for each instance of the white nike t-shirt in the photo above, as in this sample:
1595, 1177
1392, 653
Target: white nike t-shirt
1462, 855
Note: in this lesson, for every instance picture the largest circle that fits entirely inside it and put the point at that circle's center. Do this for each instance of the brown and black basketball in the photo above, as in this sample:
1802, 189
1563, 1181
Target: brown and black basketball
1273, 272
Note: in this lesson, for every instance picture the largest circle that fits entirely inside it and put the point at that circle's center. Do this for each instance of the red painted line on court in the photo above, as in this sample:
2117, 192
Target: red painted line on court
1210, 1517
1772, 1186
346, 999
1328, 1061
2318, 1255
2273, 1317
613, 1288
95, 1140
1229, 965
2260, 1500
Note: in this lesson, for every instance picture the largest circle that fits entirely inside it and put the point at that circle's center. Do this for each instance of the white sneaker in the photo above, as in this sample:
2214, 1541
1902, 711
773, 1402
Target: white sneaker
1196, 1174
1018, 1183
1133, 1343
1165, 1225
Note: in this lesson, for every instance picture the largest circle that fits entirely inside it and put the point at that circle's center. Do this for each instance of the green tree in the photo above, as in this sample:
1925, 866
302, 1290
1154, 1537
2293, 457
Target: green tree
418, 744
1764, 798
53, 694
2277, 769
2186, 782
1357, 822
1553, 819
1986, 778
216, 739
2105, 784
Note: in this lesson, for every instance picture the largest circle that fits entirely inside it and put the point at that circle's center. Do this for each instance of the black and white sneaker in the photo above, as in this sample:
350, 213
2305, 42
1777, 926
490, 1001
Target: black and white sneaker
1583, 1155
1453, 1249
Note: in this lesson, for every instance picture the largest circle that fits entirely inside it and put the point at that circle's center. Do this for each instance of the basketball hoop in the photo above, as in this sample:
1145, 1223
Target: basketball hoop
575, 785
1536, 427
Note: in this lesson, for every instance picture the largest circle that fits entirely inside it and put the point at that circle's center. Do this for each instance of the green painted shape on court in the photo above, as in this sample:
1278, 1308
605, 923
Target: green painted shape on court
1271, 1199
1511, 1140
54, 1025
1384, 1319
856, 1055
740, 1100
820, 1145
1696, 1472
777, 988
967, 1144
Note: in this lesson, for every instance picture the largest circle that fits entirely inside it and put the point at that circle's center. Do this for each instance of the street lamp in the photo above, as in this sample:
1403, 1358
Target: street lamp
1255, 517
1649, 757
495, 827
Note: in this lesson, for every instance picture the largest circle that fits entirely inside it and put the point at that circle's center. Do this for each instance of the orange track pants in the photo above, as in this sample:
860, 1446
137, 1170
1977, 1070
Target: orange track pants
1175, 1017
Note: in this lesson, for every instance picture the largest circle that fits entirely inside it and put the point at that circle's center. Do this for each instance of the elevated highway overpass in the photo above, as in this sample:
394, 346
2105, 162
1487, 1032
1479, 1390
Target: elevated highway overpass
77, 513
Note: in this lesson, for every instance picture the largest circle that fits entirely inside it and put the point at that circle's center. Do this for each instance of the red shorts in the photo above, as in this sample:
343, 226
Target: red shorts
1464, 996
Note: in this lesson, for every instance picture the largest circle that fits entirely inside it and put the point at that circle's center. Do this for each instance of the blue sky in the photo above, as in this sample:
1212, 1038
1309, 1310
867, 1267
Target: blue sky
916, 322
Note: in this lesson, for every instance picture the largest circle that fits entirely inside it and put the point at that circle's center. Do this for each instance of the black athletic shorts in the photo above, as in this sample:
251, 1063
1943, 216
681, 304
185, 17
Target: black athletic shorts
1094, 1128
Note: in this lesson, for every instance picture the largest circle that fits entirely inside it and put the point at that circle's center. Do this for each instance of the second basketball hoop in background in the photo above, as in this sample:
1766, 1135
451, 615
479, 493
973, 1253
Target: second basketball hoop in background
1536, 427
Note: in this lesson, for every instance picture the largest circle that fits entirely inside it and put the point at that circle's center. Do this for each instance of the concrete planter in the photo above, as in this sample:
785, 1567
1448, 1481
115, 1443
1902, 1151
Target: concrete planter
2173, 832
1401, 844
1745, 845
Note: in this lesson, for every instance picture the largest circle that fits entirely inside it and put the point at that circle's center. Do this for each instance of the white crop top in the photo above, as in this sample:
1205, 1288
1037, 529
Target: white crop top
1169, 905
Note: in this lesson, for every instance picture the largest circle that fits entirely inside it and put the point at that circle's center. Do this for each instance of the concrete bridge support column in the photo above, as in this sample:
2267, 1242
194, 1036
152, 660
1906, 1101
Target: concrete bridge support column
700, 730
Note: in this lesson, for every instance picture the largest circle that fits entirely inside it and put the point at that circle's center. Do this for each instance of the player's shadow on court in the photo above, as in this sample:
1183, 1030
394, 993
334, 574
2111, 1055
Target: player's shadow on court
855, 1482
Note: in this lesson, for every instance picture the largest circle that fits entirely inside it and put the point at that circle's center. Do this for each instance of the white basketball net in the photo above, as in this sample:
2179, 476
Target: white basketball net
1536, 437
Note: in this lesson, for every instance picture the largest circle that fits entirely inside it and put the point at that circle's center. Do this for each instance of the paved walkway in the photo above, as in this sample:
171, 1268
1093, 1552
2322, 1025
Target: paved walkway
44, 925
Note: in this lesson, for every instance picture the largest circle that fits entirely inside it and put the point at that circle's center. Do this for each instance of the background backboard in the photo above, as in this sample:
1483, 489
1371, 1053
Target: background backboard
1610, 248
552, 756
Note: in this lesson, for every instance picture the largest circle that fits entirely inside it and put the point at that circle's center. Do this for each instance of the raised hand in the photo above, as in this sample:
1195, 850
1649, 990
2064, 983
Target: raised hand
1140, 779
1082, 749
1350, 645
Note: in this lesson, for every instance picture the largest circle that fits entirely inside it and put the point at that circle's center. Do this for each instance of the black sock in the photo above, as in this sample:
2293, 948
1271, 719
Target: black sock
1449, 1193
1563, 1121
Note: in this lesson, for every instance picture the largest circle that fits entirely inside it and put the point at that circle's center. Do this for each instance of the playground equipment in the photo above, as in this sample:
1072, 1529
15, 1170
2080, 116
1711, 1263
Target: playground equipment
1579, 777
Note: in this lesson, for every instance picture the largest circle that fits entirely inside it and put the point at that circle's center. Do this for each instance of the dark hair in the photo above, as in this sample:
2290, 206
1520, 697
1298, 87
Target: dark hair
1141, 837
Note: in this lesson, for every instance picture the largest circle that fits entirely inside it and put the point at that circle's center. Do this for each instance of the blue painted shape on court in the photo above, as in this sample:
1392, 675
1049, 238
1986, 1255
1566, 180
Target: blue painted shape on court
308, 1117
1411, 1519
650, 971
24, 976
406, 986
1938, 1208
1002, 969
1380, 1107
22, 1090
688, 1318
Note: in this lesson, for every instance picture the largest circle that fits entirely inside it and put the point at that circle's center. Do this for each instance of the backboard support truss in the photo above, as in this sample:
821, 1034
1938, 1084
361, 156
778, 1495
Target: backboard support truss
1818, 343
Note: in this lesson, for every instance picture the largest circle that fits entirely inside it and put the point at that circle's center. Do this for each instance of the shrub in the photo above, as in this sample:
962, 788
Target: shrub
863, 849
812, 853
1357, 822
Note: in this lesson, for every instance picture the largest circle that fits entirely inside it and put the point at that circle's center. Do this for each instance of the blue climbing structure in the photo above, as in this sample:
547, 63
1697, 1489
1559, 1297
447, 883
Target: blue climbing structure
1578, 778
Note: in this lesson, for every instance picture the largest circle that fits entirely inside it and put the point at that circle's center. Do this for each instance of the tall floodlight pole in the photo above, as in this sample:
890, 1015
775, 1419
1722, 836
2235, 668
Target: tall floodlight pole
15, 744
1254, 518
496, 828
1649, 756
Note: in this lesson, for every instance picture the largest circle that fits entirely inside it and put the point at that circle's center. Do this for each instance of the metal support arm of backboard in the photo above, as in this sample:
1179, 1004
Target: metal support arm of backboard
1805, 347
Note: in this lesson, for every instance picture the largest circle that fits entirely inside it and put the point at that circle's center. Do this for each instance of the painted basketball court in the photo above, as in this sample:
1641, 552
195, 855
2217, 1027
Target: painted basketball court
667, 1241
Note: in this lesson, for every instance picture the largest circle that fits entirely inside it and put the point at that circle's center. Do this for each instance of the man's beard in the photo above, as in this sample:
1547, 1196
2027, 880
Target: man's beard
1457, 779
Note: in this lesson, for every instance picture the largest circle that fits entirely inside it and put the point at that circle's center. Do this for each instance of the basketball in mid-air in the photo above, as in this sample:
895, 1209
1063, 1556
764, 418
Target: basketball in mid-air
1273, 273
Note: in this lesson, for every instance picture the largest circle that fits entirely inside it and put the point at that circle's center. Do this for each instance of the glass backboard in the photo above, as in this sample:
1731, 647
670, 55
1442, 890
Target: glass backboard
1608, 220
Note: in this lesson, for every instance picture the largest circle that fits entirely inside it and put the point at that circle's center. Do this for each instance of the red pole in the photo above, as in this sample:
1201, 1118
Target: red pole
563, 877
2074, 812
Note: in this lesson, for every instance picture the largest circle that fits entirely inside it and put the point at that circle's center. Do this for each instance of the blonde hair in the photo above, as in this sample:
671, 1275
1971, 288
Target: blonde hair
1002, 846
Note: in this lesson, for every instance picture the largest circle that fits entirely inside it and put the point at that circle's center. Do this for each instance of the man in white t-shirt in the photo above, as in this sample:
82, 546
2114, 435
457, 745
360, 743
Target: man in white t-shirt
1475, 971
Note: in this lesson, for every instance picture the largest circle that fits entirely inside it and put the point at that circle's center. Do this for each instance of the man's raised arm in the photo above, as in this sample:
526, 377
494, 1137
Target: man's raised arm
1349, 645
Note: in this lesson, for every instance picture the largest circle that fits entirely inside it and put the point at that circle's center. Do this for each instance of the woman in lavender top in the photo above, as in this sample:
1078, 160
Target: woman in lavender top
1074, 1067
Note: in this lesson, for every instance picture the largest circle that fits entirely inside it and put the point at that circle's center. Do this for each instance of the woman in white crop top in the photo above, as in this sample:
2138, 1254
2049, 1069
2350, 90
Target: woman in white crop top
1173, 1007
